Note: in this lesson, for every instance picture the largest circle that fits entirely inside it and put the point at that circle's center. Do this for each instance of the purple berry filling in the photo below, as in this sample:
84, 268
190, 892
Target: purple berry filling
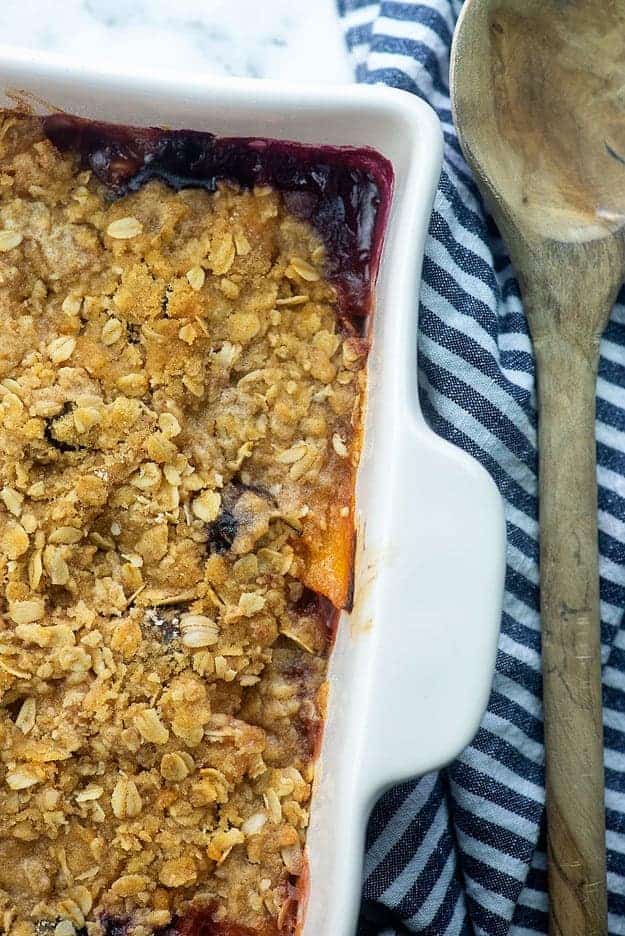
343, 193
114, 926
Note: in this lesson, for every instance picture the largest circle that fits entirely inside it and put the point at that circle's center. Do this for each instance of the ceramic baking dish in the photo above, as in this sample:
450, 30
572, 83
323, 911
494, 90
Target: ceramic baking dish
411, 670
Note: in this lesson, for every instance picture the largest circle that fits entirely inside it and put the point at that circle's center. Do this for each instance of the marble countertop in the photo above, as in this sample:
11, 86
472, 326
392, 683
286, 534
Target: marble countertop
295, 40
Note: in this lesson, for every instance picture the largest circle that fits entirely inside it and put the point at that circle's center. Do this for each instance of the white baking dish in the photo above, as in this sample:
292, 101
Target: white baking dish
411, 671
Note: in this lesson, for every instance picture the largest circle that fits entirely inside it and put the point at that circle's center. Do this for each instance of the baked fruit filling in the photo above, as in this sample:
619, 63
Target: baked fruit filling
182, 368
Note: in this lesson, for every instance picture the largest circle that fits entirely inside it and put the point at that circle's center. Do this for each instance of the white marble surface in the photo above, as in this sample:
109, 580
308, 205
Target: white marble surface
287, 39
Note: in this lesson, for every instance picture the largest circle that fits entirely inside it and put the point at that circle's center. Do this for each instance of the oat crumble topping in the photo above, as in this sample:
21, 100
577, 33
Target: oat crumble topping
179, 413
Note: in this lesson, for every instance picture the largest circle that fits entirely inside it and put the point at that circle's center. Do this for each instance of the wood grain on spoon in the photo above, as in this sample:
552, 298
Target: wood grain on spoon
538, 90
567, 162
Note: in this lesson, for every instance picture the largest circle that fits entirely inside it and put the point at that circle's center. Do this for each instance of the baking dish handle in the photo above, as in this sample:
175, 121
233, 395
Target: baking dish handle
439, 610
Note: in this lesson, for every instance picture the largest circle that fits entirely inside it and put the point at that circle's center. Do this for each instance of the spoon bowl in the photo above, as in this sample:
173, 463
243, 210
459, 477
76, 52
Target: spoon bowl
538, 95
551, 130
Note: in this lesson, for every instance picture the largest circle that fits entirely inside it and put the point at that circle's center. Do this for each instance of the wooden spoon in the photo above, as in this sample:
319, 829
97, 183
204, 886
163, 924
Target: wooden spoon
538, 90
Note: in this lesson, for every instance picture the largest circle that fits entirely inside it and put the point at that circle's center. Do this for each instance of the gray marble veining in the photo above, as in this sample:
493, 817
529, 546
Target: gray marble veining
288, 39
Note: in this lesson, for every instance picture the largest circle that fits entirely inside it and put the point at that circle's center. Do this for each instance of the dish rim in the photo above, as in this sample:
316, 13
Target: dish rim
454, 484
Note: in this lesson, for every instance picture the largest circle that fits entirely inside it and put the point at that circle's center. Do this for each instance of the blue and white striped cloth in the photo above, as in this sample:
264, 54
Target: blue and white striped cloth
462, 851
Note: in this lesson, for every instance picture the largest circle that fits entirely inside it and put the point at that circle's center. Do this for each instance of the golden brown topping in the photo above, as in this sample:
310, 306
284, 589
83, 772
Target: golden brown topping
24, 612
196, 277
55, 565
112, 330
124, 228
61, 349
206, 506
12, 500
21, 778
125, 799
302, 268
198, 630
339, 446
174, 767
15, 541
150, 727
9, 240
178, 407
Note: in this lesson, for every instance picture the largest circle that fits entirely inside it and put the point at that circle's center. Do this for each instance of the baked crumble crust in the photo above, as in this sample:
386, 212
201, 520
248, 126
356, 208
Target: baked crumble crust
179, 414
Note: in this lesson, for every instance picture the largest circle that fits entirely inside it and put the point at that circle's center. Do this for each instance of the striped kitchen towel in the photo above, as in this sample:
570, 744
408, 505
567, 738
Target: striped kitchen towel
462, 851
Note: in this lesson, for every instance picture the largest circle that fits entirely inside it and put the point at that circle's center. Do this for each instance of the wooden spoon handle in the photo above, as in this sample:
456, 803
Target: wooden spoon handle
569, 574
